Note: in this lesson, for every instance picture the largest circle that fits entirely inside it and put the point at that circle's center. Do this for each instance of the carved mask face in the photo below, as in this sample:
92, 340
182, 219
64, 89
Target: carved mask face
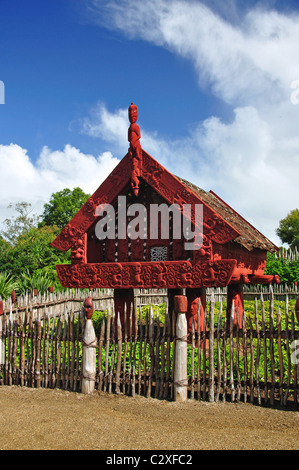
88, 308
133, 113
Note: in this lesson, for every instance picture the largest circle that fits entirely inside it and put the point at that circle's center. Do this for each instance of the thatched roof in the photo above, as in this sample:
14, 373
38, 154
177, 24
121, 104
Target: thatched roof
250, 237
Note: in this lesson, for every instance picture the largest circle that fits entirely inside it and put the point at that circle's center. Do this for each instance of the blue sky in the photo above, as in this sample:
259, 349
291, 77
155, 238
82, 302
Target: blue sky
211, 79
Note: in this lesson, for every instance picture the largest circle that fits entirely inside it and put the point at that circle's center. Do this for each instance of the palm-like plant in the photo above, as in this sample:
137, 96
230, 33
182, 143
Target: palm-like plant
7, 284
37, 280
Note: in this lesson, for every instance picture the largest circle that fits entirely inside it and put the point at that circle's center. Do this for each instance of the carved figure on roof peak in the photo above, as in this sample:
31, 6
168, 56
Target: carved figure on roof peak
135, 151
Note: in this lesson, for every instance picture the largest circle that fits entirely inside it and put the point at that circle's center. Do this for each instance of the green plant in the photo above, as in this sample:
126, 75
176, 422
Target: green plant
37, 280
7, 284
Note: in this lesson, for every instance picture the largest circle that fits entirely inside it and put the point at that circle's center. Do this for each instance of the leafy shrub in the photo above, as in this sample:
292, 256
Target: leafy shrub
7, 284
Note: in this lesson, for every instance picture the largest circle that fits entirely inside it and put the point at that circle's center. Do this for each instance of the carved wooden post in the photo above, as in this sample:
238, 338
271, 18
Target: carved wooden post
180, 371
235, 295
89, 350
193, 298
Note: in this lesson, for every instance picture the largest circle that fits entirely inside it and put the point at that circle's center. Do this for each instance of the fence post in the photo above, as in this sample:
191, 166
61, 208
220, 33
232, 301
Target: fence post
89, 341
180, 367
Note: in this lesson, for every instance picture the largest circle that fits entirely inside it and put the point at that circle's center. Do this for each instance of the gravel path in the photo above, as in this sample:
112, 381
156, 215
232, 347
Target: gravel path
56, 419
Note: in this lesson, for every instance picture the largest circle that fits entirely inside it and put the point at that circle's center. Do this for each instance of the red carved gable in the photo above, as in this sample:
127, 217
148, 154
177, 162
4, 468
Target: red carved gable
161, 180
155, 260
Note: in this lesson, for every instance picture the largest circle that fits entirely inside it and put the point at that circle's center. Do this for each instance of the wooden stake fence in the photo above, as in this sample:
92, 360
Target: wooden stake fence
254, 362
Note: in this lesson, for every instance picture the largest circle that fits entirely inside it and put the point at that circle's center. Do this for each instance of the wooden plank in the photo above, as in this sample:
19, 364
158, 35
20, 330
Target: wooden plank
192, 359
100, 355
211, 390
238, 358
157, 355
258, 352
265, 350
287, 343
134, 351
77, 352
219, 374
271, 350
163, 364
110, 377
57, 358
125, 338
73, 349
107, 347
224, 342
244, 345
38, 352
198, 337
167, 389
251, 379
204, 357
140, 352
119, 354
279, 346
231, 353
145, 378
152, 352
295, 366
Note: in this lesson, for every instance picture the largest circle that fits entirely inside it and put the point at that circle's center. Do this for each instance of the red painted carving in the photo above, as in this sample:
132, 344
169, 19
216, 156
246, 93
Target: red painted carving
135, 147
85, 217
248, 261
124, 310
235, 294
167, 185
168, 274
155, 263
194, 296
180, 304
78, 251
88, 308
175, 192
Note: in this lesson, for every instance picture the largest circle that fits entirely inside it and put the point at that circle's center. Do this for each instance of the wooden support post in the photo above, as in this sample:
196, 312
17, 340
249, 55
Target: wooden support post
193, 297
123, 301
180, 371
235, 295
89, 350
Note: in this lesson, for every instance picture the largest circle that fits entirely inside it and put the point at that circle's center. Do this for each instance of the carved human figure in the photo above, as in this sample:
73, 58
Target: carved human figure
134, 132
135, 147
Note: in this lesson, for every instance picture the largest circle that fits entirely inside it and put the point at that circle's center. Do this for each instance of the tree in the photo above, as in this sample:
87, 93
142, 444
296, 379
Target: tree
62, 207
288, 271
33, 253
17, 226
288, 230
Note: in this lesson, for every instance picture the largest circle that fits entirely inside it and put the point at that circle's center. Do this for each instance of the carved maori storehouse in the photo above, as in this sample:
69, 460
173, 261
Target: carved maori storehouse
232, 252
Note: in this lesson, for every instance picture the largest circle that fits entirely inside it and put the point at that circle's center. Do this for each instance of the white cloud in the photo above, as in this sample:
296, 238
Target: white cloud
240, 161
22, 180
239, 62
253, 161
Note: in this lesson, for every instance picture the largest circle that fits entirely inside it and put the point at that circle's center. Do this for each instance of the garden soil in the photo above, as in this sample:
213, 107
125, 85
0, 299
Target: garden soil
45, 419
